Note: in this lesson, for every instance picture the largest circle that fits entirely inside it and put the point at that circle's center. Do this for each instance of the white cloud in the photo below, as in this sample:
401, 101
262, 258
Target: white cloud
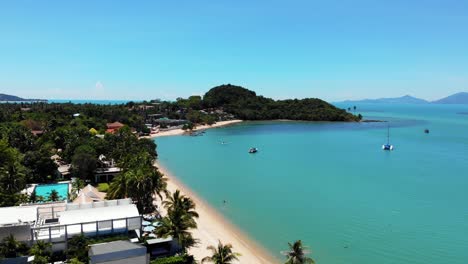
99, 85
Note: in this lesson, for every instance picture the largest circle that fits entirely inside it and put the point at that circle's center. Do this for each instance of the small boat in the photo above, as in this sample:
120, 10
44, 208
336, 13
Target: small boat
426, 131
253, 150
387, 146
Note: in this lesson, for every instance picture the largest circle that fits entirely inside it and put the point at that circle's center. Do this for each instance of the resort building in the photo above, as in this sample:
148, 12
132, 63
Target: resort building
113, 127
106, 170
33, 223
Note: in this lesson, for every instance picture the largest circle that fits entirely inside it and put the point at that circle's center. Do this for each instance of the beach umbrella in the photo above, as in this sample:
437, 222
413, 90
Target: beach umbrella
145, 223
148, 228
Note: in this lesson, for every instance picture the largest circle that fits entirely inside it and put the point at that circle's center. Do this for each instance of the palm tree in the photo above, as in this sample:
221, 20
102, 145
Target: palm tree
139, 181
222, 254
177, 225
179, 220
297, 254
41, 251
54, 196
178, 201
11, 248
117, 188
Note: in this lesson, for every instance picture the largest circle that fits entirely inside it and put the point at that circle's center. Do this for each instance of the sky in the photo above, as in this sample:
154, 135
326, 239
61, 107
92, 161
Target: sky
132, 50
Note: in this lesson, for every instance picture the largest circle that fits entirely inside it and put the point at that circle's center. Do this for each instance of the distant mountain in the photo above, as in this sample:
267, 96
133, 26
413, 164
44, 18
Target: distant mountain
13, 98
407, 99
458, 98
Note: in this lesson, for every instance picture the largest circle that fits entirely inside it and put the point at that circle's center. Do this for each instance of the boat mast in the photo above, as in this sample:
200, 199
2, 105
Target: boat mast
388, 134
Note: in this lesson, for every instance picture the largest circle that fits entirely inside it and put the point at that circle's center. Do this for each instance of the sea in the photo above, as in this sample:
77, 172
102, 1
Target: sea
332, 186
77, 101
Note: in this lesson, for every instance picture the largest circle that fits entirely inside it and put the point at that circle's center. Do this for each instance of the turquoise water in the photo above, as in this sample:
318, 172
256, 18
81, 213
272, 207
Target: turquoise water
331, 184
99, 102
45, 189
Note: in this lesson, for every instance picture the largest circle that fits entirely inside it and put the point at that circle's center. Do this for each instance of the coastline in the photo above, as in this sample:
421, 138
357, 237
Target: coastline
212, 226
179, 131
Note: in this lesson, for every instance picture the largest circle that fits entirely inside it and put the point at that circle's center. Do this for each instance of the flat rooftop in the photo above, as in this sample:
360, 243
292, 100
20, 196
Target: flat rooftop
97, 214
17, 214
112, 247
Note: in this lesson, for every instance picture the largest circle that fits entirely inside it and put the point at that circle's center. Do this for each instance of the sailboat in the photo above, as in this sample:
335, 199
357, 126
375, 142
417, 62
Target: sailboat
387, 146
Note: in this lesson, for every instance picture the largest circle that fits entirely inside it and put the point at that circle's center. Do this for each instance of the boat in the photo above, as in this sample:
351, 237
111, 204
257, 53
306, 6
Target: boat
387, 146
253, 150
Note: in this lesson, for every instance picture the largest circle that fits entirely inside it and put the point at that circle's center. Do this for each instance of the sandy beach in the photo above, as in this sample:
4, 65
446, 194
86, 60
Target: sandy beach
212, 227
176, 132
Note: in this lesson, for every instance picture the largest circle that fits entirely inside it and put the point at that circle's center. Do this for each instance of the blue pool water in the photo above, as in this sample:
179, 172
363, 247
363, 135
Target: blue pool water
331, 184
45, 189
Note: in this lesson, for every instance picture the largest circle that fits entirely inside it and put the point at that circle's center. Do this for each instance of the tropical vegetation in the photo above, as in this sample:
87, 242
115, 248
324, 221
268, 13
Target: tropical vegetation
247, 105
78, 248
297, 254
42, 252
222, 254
11, 248
180, 219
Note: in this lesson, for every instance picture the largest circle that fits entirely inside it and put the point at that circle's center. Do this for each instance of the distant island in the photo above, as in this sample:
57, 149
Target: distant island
247, 105
407, 99
13, 98
458, 98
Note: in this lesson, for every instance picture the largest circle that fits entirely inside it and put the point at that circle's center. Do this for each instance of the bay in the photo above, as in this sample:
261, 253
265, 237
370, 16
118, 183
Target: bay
331, 184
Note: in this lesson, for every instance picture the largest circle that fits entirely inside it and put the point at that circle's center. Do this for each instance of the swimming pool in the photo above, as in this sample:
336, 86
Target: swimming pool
44, 190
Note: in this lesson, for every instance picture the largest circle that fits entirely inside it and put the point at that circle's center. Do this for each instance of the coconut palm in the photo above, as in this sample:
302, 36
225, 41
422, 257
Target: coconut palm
177, 225
297, 254
117, 188
41, 251
222, 254
179, 220
11, 248
178, 201
139, 181
54, 196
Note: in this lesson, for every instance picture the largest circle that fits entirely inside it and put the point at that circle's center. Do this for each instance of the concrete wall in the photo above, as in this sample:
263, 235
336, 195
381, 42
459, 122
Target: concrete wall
144, 259
20, 232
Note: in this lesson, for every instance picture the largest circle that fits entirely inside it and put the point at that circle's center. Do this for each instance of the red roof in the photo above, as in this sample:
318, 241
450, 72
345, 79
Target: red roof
115, 125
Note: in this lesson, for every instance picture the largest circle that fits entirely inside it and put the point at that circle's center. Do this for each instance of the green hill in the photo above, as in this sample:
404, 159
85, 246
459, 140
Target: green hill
13, 98
247, 105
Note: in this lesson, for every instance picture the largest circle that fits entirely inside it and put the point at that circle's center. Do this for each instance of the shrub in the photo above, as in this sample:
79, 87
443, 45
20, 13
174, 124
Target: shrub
185, 259
103, 187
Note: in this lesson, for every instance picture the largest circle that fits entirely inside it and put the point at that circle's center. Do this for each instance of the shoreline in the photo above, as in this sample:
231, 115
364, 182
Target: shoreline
176, 132
213, 226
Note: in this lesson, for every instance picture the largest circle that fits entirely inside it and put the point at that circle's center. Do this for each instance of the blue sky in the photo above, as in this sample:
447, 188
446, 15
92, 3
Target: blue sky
331, 49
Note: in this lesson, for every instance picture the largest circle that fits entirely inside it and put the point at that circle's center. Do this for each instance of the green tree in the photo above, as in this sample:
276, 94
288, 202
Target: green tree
42, 252
54, 196
179, 220
179, 202
11, 248
222, 254
21, 138
40, 167
139, 180
77, 185
78, 248
297, 254
75, 261
12, 175
84, 163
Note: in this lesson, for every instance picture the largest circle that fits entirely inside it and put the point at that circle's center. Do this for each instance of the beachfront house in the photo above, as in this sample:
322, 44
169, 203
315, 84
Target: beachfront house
29, 224
113, 127
106, 170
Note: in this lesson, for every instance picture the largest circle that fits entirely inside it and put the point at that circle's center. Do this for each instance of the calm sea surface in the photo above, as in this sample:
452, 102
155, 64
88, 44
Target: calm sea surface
331, 184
